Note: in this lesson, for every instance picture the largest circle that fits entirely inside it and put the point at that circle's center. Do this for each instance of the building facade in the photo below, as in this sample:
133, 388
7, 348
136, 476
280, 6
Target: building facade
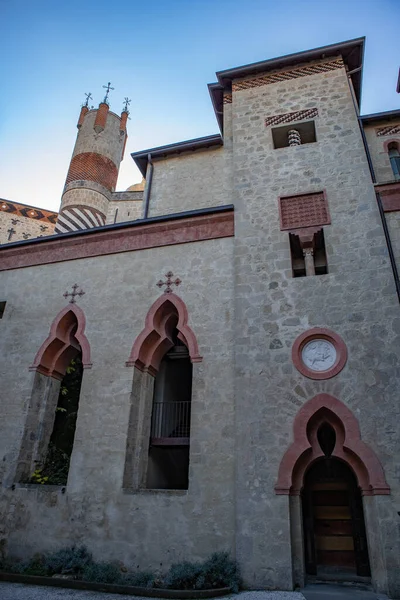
235, 326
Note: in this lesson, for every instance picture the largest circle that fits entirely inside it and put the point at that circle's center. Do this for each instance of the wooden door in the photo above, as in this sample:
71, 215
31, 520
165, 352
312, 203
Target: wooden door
333, 527
334, 532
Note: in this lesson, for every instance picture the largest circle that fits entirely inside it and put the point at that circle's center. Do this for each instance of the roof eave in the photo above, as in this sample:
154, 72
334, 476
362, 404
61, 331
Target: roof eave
389, 115
216, 92
352, 52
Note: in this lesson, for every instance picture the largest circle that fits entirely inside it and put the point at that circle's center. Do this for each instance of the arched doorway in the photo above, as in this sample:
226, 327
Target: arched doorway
327, 449
333, 520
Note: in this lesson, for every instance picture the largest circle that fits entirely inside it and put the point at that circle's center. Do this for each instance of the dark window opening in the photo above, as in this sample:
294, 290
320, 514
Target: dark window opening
308, 254
2, 308
294, 135
56, 463
394, 157
168, 465
326, 436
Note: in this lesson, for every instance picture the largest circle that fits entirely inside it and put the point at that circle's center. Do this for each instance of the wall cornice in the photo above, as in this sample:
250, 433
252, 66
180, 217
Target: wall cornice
169, 230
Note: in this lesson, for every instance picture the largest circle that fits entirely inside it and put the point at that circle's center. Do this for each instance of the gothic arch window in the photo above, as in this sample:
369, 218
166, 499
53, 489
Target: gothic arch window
51, 419
324, 426
394, 157
163, 357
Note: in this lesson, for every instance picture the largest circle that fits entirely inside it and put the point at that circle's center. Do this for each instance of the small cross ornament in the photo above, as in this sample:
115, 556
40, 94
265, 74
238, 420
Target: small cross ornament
108, 88
169, 282
88, 97
10, 232
126, 104
74, 293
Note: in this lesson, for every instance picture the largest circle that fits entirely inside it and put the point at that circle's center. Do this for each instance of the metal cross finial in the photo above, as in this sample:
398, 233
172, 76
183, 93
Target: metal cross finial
74, 293
108, 88
88, 97
127, 102
169, 282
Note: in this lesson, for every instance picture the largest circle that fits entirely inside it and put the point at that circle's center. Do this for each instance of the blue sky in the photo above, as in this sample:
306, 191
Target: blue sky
161, 54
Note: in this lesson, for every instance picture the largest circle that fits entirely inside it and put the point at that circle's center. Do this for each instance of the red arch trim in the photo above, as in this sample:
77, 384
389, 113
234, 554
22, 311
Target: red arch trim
155, 339
349, 447
386, 143
61, 344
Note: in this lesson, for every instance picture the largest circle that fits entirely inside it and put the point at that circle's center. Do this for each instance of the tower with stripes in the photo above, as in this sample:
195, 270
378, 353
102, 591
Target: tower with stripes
93, 171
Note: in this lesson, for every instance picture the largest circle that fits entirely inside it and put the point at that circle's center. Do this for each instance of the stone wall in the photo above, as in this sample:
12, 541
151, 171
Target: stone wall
356, 299
379, 154
191, 181
108, 143
144, 528
23, 227
125, 206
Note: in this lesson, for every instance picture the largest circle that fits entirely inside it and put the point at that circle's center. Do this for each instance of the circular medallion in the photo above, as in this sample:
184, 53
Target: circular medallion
319, 353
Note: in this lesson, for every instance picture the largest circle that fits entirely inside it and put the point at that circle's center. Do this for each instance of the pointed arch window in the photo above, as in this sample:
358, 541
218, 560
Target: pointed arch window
51, 418
165, 350
394, 157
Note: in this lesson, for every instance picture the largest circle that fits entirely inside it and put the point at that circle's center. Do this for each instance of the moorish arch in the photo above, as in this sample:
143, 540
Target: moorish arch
349, 448
167, 314
66, 338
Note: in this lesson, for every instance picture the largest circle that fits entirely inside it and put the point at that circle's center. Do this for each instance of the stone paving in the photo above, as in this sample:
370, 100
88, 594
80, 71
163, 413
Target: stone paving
19, 591
339, 592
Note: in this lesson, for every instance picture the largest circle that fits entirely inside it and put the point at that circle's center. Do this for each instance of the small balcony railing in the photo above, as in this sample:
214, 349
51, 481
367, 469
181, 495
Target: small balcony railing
170, 424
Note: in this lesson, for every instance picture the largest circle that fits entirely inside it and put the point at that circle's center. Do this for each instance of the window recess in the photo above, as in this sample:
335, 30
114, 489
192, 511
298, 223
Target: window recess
308, 253
295, 134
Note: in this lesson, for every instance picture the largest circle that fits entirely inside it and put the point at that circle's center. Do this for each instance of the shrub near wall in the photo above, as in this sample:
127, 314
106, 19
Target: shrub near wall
219, 571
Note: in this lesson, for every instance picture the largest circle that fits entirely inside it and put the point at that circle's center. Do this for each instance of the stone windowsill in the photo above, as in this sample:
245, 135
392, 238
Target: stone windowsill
155, 492
40, 486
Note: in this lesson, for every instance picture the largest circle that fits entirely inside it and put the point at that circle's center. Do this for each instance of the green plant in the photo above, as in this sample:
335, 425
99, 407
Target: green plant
38, 477
183, 576
218, 571
73, 560
103, 573
35, 566
144, 579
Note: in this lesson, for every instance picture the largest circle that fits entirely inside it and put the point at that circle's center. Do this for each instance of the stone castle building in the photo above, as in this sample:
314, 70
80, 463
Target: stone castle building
234, 325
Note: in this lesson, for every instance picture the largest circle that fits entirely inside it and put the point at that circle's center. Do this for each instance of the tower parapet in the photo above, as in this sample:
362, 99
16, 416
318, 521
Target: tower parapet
93, 171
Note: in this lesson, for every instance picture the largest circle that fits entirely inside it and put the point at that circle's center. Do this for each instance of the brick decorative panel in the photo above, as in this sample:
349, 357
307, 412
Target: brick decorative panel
90, 166
292, 116
390, 196
227, 98
389, 130
285, 75
29, 212
306, 210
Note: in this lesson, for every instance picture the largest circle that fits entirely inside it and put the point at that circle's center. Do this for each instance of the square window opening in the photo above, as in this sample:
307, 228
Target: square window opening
295, 134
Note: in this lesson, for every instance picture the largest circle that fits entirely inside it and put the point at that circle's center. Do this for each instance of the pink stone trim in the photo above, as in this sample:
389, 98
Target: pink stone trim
196, 228
349, 447
56, 352
386, 143
319, 333
155, 339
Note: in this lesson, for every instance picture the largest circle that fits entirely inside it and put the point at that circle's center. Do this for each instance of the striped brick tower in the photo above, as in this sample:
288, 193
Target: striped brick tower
93, 171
